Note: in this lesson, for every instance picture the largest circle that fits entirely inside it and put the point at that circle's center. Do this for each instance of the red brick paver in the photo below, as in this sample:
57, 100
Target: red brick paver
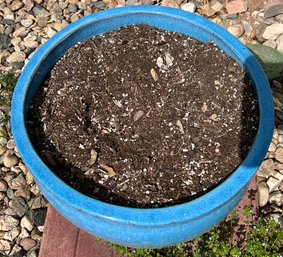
62, 239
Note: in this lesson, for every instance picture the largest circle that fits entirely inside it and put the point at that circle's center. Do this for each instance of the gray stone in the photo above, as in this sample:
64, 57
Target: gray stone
26, 223
189, 7
12, 234
16, 57
56, 10
7, 222
10, 193
7, 21
259, 31
5, 246
23, 192
18, 65
270, 43
3, 141
231, 16
17, 251
3, 186
31, 253
272, 147
267, 168
16, 5
28, 51
279, 42
273, 184
247, 26
21, 32
273, 31
29, 178
217, 6
11, 144
38, 216
36, 234
26, 22
263, 193
2, 196
277, 217
28, 243
9, 30
42, 21
5, 41
24, 233
279, 175
39, 10
18, 182
100, 5
273, 11
19, 206
72, 8
236, 30
276, 197
279, 154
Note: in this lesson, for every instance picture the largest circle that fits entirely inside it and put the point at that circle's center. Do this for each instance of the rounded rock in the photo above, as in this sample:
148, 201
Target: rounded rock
19, 206
27, 243
236, 30
26, 22
72, 8
30, 44
31, 253
7, 223
26, 223
272, 147
270, 43
189, 7
273, 31
5, 246
10, 161
3, 186
16, 5
11, 144
279, 154
16, 57
21, 32
263, 193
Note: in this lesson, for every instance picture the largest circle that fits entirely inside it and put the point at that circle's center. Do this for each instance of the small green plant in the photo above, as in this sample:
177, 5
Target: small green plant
264, 238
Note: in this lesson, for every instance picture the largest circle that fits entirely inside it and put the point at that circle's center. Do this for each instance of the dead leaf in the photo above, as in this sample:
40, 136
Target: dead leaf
160, 63
93, 157
180, 126
138, 115
111, 172
153, 74
118, 103
168, 59
204, 107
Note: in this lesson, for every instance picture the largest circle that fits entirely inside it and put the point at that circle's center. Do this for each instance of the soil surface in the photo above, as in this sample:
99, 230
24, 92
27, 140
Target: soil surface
145, 118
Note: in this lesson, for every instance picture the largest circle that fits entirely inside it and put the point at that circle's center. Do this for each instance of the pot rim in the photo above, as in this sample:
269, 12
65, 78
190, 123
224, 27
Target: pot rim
192, 210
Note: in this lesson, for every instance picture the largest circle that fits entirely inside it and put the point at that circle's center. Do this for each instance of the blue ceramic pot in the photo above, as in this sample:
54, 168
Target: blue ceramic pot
141, 228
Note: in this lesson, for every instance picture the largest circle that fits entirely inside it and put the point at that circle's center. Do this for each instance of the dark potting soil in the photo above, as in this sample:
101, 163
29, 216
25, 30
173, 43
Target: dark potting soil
145, 118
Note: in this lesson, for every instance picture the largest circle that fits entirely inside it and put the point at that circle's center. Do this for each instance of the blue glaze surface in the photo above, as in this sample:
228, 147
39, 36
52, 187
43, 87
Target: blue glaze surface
142, 228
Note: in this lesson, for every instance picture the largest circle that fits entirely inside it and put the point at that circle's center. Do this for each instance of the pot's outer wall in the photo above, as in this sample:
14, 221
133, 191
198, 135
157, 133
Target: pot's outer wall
141, 228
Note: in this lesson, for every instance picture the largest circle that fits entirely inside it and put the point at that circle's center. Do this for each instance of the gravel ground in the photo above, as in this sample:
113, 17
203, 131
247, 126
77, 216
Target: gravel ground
26, 25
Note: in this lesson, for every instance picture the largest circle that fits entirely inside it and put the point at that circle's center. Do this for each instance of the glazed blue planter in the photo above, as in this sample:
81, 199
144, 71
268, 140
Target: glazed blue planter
141, 228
